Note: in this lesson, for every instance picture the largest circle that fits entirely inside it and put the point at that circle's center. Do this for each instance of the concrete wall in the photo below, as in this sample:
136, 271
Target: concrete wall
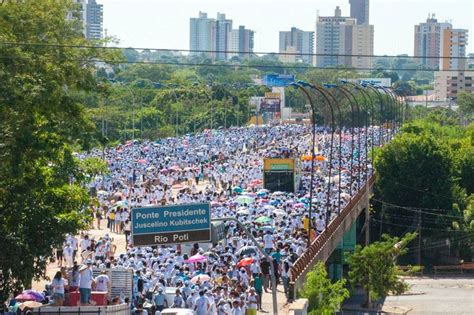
122, 309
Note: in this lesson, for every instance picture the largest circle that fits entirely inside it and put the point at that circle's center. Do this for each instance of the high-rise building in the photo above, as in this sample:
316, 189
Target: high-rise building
428, 41
240, 43
448, 84
91, 15
362, 46
202, 33
296, 42
339, 39
453, 45
94, 20
360, 11
223, 28
218, 37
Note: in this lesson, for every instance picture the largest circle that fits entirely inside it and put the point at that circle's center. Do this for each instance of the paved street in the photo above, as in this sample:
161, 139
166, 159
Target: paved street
437, 296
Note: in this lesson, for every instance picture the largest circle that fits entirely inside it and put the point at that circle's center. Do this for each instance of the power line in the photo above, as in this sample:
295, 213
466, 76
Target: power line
190, 64
423, 228
55, 45
408, 218
412, 188
419, 210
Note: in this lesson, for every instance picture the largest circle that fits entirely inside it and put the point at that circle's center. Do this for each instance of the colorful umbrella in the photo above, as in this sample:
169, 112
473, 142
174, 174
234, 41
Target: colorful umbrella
175, 168
244, 200
38, 295
196, 258
269, 207
263, 219
279, 212
142, 161
25, 297
247, 250
121, 203
278, 193
178, 186
245, 262
200, 278
237, 189
243, 211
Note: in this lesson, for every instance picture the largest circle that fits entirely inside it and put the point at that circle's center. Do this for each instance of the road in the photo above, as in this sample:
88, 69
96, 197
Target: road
453, 295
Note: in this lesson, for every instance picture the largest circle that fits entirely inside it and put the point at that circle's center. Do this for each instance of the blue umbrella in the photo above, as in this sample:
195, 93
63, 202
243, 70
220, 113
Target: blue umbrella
304, 200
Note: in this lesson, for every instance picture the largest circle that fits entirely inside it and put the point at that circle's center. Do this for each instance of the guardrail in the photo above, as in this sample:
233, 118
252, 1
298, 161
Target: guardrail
305, 260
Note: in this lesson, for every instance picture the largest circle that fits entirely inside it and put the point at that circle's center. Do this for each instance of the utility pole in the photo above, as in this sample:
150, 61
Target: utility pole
419, 238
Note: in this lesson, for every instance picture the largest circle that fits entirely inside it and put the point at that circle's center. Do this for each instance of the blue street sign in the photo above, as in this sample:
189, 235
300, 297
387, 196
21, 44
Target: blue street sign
278, 80
171, 224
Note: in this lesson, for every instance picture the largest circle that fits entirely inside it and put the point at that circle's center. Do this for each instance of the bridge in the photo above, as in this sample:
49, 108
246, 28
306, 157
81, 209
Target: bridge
326, 242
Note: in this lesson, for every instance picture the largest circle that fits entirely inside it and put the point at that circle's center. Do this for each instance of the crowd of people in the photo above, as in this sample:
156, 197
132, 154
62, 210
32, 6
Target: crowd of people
223, 168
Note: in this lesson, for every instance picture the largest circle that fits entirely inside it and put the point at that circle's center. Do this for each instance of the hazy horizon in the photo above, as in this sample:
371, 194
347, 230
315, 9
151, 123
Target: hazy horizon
165, 23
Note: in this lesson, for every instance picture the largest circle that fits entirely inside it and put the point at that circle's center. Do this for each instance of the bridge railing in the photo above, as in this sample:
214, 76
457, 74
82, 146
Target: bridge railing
305, 260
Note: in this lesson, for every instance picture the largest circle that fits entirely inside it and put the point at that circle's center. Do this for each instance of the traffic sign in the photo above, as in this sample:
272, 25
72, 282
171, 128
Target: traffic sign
175, 224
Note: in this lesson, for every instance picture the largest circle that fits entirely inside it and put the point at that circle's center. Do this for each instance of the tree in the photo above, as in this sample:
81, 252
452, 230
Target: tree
42, 120
466, 104
415, 170
324, 297
374, 267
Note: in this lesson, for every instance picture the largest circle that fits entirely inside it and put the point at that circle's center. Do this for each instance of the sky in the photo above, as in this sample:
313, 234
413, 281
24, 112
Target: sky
165, 23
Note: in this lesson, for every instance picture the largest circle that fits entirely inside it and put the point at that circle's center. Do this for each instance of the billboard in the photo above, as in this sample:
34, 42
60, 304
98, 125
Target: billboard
280, 80
270, 105
385, 82
174, 224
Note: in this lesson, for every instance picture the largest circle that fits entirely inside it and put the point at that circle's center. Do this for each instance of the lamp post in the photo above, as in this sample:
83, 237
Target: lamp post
313, 155
338, 108
390, 112
344, 92
370, 111
326, 95
358, 125
381, 103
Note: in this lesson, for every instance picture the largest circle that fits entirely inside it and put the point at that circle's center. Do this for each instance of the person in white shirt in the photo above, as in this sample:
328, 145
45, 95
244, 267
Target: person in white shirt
268, 241
85, 283
57, 286
68, 253
103, 283
320, 224
236, 310
202, 304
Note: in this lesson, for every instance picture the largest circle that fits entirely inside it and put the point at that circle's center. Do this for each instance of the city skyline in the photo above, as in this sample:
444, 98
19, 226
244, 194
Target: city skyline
152, 24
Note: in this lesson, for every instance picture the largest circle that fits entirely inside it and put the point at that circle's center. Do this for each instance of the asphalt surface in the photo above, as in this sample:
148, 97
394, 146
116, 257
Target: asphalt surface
441, 295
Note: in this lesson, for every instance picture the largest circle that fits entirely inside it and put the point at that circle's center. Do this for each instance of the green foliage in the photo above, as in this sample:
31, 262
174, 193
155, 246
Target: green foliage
91, 167
324, 297
374, 267
42, 118
429, 166
466, 104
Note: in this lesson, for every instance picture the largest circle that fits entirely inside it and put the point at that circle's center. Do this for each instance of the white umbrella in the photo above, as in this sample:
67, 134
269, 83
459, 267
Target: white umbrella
279, 212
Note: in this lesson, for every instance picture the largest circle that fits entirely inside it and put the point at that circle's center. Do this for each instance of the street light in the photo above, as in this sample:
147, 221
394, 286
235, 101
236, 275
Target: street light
301, 85
381, 102
322, 90
370, 111
346, 94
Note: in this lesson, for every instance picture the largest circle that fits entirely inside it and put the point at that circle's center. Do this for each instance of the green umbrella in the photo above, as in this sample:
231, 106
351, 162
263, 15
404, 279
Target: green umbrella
263, 220
244, 200
237, 189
